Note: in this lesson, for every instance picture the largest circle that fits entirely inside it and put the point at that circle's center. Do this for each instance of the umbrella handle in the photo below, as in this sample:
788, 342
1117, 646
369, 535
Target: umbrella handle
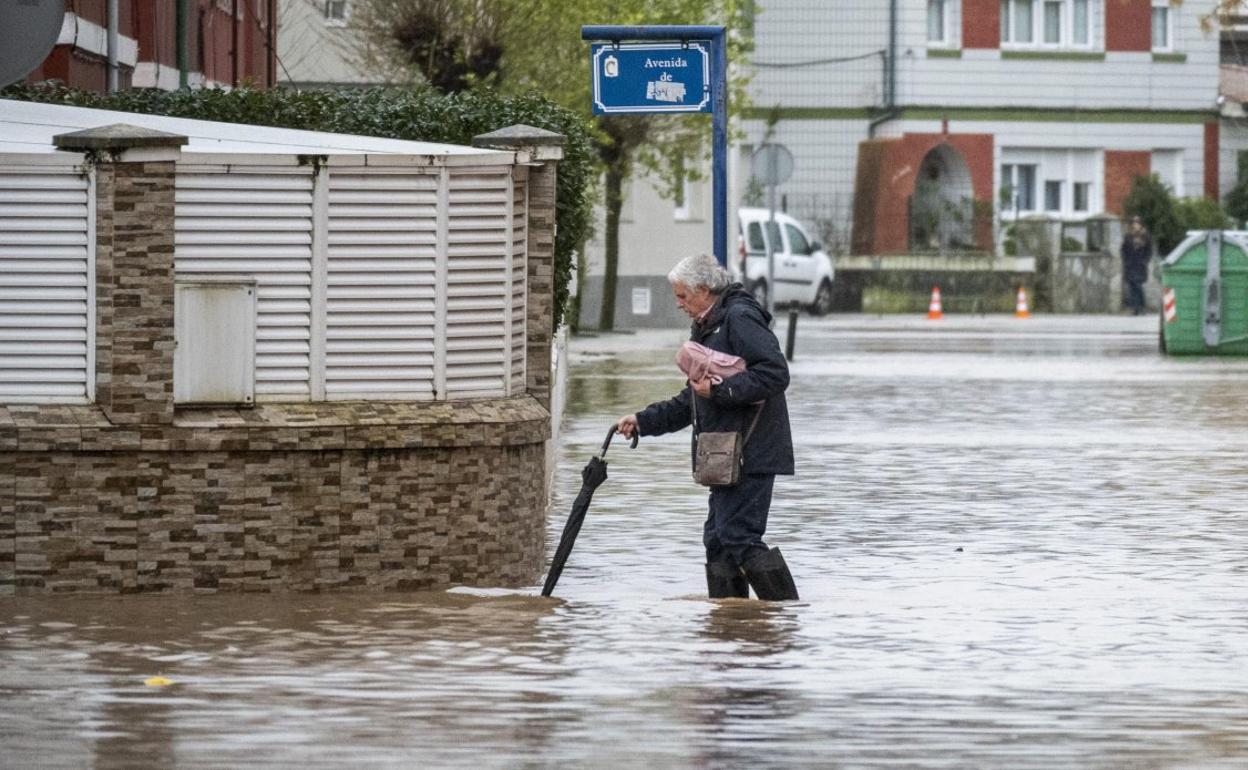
610, 435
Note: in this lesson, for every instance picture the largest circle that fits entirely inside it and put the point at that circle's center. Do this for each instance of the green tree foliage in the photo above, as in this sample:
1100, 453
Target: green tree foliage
1152, 202
538, 45
418, 115
1201, 214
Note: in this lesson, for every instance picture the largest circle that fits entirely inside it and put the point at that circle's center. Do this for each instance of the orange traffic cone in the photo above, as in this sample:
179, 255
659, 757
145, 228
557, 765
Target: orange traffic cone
1020, 307
934, 313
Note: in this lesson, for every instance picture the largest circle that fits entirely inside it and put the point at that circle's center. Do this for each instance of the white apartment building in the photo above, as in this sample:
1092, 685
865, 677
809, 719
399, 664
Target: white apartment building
1017, 107
315, 45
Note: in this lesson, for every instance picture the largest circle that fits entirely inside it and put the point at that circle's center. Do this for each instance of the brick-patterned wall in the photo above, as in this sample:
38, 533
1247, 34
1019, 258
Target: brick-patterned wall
134, 297
1213, 145
981, 24
1121, 169
300, 497
541, 276
1129, 25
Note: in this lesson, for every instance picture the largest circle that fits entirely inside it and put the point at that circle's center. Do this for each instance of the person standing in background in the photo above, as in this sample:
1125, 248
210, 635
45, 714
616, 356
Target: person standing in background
1137, 252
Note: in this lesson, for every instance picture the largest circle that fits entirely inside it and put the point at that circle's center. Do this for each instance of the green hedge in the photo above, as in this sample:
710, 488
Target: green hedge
387, 112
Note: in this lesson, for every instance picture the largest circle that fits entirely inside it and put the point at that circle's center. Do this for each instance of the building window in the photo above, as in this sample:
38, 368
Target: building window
1067, 180
336, 11
1018, 181
937, 22
1083, 195
1053, 22
1052, 196
1045, 23
1163, 22
1080, 23
684, 194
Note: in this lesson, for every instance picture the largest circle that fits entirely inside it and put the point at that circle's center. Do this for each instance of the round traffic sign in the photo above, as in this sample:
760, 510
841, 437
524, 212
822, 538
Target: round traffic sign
772, 164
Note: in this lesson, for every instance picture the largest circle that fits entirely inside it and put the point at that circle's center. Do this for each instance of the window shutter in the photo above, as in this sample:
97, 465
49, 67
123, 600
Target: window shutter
479, 285
45, 279
256, 222
381, 287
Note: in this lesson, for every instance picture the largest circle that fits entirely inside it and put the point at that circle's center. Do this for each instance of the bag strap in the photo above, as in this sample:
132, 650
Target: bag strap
758, 413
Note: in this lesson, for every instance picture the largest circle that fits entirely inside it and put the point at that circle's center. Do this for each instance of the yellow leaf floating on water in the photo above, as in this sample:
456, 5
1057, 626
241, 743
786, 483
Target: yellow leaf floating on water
157, 681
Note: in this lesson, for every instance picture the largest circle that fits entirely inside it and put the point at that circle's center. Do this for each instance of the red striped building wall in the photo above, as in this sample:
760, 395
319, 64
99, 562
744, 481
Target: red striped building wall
1128, 25
215, 28
981, 24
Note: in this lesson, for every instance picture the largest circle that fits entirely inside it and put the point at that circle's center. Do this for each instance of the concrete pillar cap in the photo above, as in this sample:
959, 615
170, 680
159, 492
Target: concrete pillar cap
537, 143
122, 140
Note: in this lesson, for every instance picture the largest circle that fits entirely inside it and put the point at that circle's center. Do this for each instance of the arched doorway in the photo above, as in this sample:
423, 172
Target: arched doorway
942, 207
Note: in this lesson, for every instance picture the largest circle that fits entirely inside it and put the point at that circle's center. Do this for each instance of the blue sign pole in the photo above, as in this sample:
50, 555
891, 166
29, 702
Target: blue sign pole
627, 102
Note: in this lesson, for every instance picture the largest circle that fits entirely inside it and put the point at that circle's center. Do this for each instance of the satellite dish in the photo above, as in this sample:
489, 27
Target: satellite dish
28, 30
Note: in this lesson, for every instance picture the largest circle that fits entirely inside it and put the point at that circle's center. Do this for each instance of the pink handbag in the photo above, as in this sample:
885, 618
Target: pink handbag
699, 362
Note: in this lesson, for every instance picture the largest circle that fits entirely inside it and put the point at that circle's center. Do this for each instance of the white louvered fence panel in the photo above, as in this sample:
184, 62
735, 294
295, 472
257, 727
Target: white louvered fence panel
45, 280
257, 222
519, 262
382, 285
478, 283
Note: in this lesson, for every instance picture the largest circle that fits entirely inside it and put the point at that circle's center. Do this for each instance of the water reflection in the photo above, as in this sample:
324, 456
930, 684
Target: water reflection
1016, 550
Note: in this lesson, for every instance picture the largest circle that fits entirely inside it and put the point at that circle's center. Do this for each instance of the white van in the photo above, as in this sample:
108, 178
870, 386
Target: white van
803, 271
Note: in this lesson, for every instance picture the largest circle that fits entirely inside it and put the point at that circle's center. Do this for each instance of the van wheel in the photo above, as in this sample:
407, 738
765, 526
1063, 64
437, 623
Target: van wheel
759, 290
823, 299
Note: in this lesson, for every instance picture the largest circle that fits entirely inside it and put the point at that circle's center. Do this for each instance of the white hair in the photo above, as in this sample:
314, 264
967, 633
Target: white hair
700, 270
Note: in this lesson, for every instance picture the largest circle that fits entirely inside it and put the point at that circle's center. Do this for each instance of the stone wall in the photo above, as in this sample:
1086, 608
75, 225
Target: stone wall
132, 494
310, 497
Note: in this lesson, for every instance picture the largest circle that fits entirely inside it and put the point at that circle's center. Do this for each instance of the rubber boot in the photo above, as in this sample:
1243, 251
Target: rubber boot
770, 577
724, 581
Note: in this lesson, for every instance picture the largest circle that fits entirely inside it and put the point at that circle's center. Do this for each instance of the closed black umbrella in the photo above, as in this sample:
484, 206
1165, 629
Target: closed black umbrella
592, 476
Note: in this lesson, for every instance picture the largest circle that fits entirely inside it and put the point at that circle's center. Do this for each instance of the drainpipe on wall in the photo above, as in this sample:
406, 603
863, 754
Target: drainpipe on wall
890, 75
234, 42
113, 21
181, 40
270, 39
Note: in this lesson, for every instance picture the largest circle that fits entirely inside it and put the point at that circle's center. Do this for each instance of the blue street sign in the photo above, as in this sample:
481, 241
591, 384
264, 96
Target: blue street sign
651, 77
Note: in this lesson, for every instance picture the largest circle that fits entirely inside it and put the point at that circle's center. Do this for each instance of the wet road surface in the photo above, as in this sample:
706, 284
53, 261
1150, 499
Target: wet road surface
1020, 544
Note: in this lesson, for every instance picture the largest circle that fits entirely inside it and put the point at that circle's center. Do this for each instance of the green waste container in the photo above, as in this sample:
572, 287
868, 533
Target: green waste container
1204, 306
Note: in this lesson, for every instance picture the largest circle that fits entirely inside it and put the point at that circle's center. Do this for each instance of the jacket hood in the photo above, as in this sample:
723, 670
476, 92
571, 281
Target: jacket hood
735, 294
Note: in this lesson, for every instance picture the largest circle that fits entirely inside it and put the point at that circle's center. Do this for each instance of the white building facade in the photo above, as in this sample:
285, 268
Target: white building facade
316, 46
983, 111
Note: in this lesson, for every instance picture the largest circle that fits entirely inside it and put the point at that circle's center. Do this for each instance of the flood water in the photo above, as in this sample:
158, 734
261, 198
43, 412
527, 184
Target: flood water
1019, 544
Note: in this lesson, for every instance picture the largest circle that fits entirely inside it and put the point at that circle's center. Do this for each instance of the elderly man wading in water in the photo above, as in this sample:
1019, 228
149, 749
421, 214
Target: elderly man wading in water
726, 318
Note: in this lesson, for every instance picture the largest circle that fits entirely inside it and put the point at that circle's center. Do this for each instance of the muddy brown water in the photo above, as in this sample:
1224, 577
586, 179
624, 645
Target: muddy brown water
1019, 545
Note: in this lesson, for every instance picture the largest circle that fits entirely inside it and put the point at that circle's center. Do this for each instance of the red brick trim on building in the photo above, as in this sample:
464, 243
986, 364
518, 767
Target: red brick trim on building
1121, 169
887, 172
1128, 25
1212, 169
981, 23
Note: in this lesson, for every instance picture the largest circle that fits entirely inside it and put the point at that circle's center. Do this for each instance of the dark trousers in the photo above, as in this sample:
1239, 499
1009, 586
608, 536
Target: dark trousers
1133, 293
737, 520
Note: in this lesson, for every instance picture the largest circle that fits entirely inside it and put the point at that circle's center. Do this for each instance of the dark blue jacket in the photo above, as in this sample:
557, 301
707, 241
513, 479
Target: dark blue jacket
1136, 254
737, 324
